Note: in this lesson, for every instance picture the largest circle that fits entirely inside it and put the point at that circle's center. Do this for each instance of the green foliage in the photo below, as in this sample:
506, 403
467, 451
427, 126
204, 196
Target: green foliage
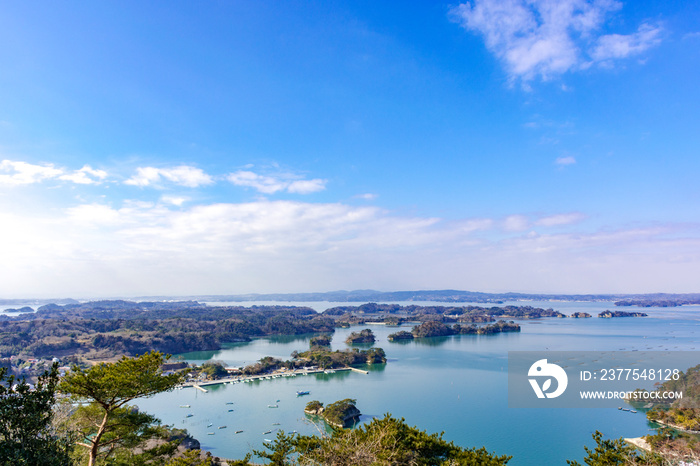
279, 450
321, 340
107, 423
214, 369
382, 442
26, 437
610, 452
314, 405
190, 458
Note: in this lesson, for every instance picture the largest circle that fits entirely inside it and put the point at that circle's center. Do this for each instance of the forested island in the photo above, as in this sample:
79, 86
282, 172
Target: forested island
439, 329
365, 336
610, 314
339, 414
395, 314
103, 330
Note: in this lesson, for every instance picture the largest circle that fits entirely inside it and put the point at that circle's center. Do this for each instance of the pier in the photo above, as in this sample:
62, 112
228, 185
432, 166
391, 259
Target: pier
251, 378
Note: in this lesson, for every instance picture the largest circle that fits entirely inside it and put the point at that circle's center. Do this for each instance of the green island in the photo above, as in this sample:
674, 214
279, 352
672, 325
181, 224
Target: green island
611, 314
363, 336
339, 414
84, 333
439, 329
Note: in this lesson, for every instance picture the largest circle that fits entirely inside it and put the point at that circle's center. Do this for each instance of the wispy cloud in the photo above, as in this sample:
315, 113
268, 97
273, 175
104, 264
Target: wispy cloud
561, 219
545, 38
516, 223
614, 46
271, 184
86, 175
24, 173
142, 247
182, 175
566, 160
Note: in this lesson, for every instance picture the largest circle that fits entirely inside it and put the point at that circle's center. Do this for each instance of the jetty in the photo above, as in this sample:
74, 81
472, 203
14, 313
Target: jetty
275, 375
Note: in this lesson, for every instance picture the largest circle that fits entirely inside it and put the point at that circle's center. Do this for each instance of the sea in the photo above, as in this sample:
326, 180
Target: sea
456, 385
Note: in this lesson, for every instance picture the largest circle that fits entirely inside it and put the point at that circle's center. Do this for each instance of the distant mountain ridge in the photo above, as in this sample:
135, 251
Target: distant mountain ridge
443, 296
449, 296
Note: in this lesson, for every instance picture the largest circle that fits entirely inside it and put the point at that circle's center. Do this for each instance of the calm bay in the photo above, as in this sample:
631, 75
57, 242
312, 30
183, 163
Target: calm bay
454, 384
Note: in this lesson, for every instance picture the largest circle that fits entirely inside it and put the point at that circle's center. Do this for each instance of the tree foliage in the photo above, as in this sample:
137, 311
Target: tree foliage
611, 452
26, 436
107, 422
382, 442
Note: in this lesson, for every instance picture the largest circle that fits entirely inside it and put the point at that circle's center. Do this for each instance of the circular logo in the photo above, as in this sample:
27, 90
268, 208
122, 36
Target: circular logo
543, 370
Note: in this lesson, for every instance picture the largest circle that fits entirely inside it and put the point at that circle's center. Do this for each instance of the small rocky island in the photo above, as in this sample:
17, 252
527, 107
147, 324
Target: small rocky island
402, 335
610, 314
340, 414
364, 336
580, 315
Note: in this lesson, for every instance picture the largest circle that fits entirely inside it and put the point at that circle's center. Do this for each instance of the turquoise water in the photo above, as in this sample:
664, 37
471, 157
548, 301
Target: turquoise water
454, 384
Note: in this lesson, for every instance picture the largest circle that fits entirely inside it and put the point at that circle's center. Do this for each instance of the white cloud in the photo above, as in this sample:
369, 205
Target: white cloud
516, 223
23, 173
545, 38
306, 186
561, 219
267, 184
622, 46
182, 175
263, 184
563, 161
19, 173
86, 175
367, 196
174, 200
147, 248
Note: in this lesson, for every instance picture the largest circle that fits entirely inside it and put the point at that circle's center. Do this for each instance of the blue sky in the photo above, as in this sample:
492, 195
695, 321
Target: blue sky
154, 148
